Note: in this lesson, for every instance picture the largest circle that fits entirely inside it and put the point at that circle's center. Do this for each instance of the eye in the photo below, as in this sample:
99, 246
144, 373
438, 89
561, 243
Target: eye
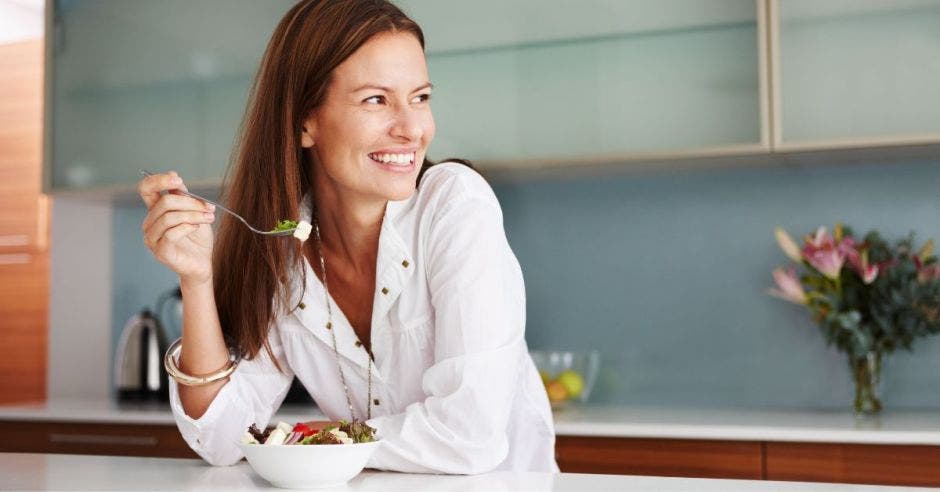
374, 100
423, 97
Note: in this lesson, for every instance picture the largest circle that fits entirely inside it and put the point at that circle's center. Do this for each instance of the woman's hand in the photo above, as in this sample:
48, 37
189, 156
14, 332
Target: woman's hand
177, 229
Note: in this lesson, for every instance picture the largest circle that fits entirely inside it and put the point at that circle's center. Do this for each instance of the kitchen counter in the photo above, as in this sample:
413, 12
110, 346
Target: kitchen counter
105, 411
894, 427
19, 471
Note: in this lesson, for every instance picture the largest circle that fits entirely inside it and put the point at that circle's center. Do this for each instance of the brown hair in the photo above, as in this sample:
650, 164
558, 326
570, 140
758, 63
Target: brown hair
269, 175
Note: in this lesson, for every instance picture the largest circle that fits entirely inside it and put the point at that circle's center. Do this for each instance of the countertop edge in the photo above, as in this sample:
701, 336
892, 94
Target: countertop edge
900, 428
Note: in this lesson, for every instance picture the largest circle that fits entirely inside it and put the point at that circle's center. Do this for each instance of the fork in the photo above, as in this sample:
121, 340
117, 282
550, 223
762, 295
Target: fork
284, 232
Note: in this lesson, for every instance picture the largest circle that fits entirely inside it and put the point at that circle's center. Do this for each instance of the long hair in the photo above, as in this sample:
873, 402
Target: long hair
268, 177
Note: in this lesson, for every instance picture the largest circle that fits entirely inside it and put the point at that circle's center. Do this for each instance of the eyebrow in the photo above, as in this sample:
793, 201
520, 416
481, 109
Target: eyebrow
426, 85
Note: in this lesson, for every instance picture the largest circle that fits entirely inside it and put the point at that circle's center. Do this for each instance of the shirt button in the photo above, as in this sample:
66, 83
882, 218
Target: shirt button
405, 263
375, 402
358, 343
302, 305
384, 290
329, 326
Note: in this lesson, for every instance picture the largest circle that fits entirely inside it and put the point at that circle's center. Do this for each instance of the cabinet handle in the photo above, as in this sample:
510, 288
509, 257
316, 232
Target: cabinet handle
103, 439
15, 259
42, 222
7, 240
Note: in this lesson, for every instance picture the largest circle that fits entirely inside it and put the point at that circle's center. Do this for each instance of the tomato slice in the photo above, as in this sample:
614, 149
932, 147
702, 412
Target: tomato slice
303, 429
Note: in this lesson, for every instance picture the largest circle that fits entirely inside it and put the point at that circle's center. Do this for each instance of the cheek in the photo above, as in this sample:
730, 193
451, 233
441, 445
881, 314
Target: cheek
430, 128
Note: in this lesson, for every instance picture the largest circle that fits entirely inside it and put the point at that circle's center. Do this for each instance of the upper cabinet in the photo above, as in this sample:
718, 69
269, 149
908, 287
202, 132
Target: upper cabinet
536, 82
518, 84
857, 72
163, 85
153, 85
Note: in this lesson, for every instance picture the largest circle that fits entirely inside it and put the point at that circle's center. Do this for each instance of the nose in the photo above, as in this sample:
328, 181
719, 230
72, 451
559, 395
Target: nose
408, 124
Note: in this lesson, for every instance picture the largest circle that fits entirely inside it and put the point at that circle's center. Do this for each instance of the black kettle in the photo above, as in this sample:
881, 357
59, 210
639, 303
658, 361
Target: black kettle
139, 374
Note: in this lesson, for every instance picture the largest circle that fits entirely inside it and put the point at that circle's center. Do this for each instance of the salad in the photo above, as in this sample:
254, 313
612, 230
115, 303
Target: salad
301, 229
345, 433
285, 225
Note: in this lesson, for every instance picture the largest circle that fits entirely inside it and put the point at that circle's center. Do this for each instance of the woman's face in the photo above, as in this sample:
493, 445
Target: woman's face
371, 132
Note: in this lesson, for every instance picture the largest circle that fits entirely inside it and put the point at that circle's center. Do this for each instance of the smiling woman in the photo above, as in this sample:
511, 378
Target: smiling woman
406, 310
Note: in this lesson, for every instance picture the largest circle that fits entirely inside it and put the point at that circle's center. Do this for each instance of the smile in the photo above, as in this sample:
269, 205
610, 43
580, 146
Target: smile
394, 159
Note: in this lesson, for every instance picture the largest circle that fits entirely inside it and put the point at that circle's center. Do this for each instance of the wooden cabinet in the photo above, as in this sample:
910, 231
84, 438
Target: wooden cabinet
809, 462
854, 463
94, 438
753, 460
24, 223
21, 202
662, 457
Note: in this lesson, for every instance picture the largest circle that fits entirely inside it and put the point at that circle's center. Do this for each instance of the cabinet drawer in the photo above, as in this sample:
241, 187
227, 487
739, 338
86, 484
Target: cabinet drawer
24, 221
24, 311
103, 439
854, 463
662, 457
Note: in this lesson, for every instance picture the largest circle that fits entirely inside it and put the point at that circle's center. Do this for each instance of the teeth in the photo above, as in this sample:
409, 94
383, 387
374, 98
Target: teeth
399, 159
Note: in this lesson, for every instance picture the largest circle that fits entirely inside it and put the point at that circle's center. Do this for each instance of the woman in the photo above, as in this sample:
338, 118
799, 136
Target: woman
405, 309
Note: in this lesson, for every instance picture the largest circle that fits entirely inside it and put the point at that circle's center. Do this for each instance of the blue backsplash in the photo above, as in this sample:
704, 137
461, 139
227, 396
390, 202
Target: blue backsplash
665, 274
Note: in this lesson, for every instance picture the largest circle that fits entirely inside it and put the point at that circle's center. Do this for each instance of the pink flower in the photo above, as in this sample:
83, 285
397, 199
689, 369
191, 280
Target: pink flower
869, 273
823, 254
787, 244
789, 287
858, 258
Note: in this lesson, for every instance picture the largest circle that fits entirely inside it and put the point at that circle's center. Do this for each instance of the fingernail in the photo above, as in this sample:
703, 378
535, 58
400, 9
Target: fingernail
209, 215
176, 180
210, 207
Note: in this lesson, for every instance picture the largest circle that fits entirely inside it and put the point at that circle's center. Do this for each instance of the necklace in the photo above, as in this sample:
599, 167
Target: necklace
329, 327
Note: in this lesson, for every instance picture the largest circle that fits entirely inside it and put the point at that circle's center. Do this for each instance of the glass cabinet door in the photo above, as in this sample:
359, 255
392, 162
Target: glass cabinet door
155, 85
859, 70
162, 85
528, 82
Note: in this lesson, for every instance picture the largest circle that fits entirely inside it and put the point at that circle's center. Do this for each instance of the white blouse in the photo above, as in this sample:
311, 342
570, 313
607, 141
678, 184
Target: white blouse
454, 388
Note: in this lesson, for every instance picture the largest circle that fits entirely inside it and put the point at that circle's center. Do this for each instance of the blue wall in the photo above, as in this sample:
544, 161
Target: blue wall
665, 274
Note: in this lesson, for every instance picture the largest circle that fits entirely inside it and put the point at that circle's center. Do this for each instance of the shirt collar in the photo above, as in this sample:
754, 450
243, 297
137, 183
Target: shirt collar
394, 267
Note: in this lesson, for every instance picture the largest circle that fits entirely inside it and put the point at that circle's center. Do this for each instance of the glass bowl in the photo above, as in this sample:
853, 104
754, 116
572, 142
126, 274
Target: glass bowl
568, 376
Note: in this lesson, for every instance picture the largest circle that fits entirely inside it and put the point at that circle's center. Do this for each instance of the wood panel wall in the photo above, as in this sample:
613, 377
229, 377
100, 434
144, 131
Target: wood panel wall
24, 225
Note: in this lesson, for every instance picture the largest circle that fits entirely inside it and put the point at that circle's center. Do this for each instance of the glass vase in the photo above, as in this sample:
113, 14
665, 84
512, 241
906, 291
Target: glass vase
866, 371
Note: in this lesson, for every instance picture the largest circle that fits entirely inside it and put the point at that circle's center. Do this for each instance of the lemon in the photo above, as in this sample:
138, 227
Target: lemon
572, 381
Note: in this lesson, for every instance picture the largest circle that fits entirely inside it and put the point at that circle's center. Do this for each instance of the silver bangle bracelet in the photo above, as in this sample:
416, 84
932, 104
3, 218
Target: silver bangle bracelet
169, 362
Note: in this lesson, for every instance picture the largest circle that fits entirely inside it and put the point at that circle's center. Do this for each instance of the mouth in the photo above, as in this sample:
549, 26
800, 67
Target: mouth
394, 162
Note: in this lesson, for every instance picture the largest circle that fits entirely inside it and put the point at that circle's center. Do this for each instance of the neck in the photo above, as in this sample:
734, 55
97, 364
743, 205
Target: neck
349, 229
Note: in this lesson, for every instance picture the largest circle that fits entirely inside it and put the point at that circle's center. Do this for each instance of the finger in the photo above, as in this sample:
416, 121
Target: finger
182, 186
172, 203
178, 232
167, 221
150, 187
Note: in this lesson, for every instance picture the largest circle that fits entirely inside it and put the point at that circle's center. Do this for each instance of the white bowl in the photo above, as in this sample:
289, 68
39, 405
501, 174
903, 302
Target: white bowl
308, 466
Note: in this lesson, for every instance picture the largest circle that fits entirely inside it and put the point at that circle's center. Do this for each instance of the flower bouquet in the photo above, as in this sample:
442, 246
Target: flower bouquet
868, 297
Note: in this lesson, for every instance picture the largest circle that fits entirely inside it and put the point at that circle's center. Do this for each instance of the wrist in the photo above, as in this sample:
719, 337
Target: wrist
195, 283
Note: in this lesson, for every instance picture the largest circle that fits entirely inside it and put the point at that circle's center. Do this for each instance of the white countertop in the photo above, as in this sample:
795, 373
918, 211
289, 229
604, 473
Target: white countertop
74, 472
893, 427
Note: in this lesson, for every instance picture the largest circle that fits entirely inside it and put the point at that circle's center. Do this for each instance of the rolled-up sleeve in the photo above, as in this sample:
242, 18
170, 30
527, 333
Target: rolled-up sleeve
478, 297
254, 391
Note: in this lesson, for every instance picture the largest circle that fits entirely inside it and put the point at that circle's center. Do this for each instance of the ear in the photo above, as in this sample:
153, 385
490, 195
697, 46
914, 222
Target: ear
307, 135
